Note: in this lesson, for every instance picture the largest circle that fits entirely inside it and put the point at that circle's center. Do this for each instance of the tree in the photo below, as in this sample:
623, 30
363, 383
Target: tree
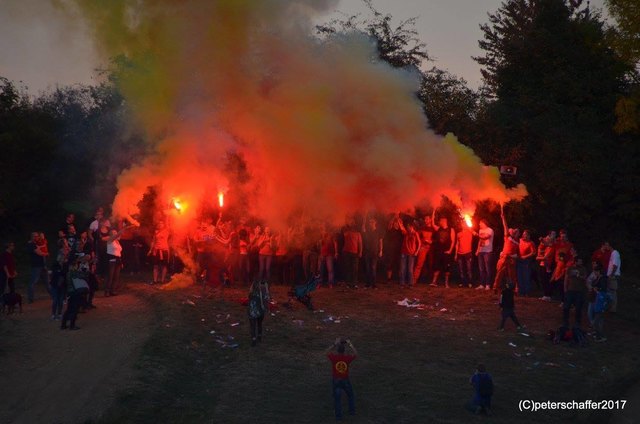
449, 104
62, 152
400, 46
625, 37
552, 82
627, 16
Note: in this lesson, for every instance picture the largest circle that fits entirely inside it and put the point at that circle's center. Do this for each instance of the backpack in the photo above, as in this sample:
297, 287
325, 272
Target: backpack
485, 385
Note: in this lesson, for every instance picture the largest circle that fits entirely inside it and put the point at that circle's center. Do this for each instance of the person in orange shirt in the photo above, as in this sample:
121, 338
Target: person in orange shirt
425, 255
266, 248
159, 252
563, 245
526, 253
408, 252
507, 263
328, 254
464, 255
352, 251
557, 278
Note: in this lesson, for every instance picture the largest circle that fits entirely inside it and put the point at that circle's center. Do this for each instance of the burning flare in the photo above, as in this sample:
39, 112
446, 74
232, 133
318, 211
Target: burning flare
177, 204
221, 199
468, 220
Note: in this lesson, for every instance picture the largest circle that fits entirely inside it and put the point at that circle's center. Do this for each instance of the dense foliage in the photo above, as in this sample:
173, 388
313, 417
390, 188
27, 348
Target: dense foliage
62, 152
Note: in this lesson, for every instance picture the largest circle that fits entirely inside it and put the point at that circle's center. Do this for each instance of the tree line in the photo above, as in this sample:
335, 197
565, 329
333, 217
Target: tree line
560, 100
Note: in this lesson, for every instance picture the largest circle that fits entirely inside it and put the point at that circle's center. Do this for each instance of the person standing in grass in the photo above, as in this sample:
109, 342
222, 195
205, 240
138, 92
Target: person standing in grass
257, 307
597, 283
159, 251
340, 364
506, 266
575, 290
484, 253
8, 272
443, 245
508, 305
613, 277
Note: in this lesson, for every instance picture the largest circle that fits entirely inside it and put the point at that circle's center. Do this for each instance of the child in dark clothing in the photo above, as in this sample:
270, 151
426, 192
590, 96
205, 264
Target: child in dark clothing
508, 306
483, 390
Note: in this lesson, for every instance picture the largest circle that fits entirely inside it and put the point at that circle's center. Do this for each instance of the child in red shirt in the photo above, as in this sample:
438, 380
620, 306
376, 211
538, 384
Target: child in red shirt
340, 363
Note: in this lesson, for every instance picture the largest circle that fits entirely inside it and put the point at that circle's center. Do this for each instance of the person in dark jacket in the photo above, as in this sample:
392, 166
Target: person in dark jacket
257, 307
57, 289
75, 291
483, 390
508, 306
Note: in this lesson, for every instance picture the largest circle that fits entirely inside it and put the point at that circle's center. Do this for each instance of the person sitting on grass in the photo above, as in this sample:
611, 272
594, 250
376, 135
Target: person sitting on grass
508, 306
340, 363
483, 390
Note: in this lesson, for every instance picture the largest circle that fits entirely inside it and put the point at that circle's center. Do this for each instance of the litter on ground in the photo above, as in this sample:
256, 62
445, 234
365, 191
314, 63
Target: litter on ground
414, 303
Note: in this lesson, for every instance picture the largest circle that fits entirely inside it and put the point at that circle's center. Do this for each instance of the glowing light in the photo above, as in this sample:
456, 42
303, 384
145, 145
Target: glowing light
177, 204
221, 199
132, 220
468, 220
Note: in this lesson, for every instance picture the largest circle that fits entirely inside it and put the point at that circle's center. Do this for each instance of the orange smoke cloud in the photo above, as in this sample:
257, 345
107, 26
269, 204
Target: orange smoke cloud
324, 129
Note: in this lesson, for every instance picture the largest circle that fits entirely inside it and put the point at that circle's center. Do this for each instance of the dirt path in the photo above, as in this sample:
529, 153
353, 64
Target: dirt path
61, 376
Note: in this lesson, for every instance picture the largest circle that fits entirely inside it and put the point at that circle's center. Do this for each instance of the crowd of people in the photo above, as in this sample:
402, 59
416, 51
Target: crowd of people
81, 262
398, 249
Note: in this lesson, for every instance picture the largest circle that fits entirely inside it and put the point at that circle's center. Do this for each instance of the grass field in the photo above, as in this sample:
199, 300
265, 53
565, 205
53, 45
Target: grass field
413, 367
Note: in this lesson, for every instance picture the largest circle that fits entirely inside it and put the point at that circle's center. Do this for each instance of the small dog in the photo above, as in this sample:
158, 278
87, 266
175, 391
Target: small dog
9, 302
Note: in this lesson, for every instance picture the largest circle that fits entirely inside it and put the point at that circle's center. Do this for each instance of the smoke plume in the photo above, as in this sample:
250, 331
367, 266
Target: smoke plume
325, 128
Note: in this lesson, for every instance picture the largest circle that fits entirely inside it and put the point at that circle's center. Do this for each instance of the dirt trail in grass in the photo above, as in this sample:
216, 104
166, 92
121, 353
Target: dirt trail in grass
61, 376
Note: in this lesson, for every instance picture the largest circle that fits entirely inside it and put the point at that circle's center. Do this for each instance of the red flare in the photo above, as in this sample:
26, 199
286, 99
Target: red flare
468, 221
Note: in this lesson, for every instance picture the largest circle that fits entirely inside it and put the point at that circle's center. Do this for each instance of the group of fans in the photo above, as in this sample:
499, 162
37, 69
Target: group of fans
404, 249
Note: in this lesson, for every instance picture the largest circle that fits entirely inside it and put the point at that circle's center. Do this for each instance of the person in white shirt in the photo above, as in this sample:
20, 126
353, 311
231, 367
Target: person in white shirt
613, 277
114, 255
485, 255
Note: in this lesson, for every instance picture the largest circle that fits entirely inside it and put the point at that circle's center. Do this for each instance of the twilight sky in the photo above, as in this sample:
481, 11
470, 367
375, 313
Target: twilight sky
41, 49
